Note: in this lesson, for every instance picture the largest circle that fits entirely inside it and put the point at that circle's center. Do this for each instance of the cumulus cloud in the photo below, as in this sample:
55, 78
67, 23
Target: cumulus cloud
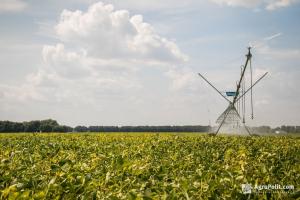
65, 63
183, 79
12, 5
268, 4
99, 54
105, 33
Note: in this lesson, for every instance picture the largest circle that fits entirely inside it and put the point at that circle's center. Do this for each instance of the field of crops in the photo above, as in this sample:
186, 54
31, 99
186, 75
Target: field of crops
145, 166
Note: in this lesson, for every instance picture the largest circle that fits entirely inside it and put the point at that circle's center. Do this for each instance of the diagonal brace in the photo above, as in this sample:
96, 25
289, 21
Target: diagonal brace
214, 87
251, 86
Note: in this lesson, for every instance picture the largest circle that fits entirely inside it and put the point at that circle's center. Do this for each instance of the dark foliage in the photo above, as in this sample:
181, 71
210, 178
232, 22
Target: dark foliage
47, 125
50, 125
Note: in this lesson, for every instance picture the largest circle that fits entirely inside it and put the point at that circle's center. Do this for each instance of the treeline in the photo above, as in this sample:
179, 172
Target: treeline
287, 129
282, 129
47, 125
142, 129
50, 125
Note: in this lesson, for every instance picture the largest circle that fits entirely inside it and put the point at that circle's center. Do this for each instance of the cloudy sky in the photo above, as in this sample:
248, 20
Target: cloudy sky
130, 62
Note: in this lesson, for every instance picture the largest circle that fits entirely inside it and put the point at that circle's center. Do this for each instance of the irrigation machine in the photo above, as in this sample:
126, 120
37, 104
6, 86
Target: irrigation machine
233, 118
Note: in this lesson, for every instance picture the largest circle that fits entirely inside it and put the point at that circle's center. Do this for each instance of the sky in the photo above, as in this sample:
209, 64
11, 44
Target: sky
129, 62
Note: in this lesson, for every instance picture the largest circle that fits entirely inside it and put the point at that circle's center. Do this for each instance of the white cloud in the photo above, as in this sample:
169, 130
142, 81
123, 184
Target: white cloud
99, 55
12, 5
153, 5
268, 4
137, 77
272, 37
19, 93
178, 6
262, 44
106, 33
183, 79
279, 3
281, 54
65, 63
241, 3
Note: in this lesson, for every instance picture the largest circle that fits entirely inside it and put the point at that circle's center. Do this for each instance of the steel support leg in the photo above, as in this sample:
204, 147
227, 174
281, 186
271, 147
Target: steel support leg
247, 129
221, 124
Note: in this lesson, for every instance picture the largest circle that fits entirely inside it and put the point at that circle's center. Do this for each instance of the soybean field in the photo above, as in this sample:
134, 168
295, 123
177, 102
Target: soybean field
146, 166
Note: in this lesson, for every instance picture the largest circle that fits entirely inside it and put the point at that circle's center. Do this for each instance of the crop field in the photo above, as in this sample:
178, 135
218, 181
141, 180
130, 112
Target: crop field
146, 166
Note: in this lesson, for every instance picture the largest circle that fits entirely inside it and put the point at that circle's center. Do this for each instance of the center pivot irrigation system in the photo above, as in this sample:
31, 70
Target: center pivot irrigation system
231, 117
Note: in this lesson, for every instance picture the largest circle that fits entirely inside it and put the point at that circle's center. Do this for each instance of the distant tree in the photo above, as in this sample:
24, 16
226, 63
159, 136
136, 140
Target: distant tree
291, 129
46, 128
283, 128
110, 129
32, 126
81, 129
62, 129
2, 126
48, 125
95, 129
50, 122
7, 126
18, 127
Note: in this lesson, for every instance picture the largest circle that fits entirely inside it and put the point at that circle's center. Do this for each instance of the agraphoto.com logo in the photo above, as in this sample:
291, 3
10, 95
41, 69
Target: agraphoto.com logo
248, 188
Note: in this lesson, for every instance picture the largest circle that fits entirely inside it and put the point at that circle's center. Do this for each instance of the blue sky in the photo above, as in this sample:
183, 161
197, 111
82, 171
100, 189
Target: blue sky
136, 62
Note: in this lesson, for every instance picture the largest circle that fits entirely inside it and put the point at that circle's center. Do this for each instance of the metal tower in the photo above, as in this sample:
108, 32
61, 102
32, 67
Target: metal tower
231, 117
